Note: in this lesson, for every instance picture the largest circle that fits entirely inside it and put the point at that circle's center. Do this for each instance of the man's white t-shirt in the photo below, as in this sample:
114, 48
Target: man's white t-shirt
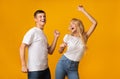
37, 50
75, 47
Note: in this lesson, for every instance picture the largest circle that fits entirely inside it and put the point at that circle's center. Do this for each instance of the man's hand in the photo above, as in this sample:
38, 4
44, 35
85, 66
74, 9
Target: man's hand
56, 33
24, 69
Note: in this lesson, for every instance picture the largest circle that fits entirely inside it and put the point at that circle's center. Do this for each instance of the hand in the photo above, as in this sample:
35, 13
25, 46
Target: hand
24, 69
56, 33
63, 45
80, 8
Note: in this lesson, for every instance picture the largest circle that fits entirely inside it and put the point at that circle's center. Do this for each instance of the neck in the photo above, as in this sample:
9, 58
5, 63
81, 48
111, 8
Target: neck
76, 34
39, 26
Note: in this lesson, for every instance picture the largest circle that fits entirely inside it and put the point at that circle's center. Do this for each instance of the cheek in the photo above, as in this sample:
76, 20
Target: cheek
69, 28
44, 17
75, 28
39, 19
36, 19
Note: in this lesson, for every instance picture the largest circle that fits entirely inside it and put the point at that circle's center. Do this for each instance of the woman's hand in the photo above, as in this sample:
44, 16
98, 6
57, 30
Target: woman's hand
63, 45
80, 8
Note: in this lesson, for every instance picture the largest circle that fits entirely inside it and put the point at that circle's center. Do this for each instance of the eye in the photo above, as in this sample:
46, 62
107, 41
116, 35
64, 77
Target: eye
44, 16
40, 16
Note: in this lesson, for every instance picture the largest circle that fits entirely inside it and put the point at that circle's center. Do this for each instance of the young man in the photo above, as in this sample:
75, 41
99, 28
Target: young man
38, 49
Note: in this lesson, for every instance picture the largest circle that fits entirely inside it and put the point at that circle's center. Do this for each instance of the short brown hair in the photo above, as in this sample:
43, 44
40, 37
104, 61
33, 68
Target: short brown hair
38, 11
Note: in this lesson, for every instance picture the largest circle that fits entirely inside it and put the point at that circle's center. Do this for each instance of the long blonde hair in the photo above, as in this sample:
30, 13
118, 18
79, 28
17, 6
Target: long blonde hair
80, 29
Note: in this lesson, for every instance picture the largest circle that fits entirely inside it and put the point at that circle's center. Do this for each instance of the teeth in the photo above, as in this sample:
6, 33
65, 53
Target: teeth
43, 20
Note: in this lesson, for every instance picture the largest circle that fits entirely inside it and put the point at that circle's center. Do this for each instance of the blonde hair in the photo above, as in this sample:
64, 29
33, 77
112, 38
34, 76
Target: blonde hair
80, 29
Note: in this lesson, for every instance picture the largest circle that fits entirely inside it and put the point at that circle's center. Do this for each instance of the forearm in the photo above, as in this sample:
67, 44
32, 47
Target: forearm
93, 26
22, 56
89, 17
53, 45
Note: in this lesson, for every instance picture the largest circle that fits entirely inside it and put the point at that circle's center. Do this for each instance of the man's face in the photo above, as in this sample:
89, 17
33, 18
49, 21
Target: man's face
40, 19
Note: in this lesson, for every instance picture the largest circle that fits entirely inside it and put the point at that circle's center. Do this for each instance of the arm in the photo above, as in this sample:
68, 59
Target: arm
94, 22
62, 47
22, 57
51, 48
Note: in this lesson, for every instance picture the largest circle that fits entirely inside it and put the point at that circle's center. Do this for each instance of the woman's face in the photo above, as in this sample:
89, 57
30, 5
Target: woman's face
73, 27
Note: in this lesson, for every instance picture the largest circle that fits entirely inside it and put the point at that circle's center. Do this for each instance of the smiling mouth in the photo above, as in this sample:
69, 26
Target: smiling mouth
72, 28
43, 20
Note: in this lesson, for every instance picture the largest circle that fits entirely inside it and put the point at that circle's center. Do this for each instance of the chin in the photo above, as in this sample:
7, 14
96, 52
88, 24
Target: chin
73, 31
42, 24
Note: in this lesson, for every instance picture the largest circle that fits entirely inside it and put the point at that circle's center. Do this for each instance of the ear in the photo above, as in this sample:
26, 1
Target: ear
35, 19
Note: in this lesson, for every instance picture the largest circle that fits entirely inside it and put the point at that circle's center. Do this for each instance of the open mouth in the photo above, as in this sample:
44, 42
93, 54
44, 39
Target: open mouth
43, 20
72, 28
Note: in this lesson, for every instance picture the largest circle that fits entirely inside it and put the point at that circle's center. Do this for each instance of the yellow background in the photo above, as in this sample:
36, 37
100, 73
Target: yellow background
102, 59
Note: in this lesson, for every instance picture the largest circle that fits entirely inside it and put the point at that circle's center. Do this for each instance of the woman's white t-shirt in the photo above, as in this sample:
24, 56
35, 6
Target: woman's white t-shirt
37, 50
75, 47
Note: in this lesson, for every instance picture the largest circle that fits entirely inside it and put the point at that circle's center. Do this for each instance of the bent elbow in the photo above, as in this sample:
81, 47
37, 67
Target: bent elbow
22, 47
50, 52
95, 23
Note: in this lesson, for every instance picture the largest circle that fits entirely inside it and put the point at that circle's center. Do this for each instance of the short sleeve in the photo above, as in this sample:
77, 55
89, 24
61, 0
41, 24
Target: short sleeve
28, 37
65, 39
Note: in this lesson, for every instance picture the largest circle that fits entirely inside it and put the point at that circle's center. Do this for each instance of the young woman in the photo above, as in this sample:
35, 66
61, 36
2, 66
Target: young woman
76, 45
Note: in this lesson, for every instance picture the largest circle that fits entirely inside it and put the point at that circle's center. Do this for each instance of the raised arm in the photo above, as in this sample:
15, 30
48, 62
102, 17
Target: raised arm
94, 22
53, 45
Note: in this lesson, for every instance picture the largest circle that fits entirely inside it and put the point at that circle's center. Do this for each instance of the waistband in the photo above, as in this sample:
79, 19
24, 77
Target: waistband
65, 58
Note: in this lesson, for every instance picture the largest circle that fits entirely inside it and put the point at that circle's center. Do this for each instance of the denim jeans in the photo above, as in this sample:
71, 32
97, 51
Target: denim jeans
45, 74
66, 67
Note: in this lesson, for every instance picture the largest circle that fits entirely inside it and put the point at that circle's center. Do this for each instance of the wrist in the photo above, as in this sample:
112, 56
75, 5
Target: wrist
55, 37
83, 10
24, 66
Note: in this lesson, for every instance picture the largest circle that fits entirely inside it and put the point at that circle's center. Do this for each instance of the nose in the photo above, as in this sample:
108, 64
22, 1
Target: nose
43, 17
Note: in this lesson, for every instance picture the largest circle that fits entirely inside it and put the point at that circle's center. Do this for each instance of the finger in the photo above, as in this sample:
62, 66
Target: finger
80, 6
56, 31
25, 71
65, 44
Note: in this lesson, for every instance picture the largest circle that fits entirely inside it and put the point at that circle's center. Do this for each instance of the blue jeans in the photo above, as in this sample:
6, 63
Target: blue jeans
45, 74
66, 67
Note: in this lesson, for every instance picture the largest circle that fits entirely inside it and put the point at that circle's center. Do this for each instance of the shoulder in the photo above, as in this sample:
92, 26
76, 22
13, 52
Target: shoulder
66, 37
31, 31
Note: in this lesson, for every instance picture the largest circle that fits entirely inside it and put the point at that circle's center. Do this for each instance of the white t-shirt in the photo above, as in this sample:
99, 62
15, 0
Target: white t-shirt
37, 50
75, 47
